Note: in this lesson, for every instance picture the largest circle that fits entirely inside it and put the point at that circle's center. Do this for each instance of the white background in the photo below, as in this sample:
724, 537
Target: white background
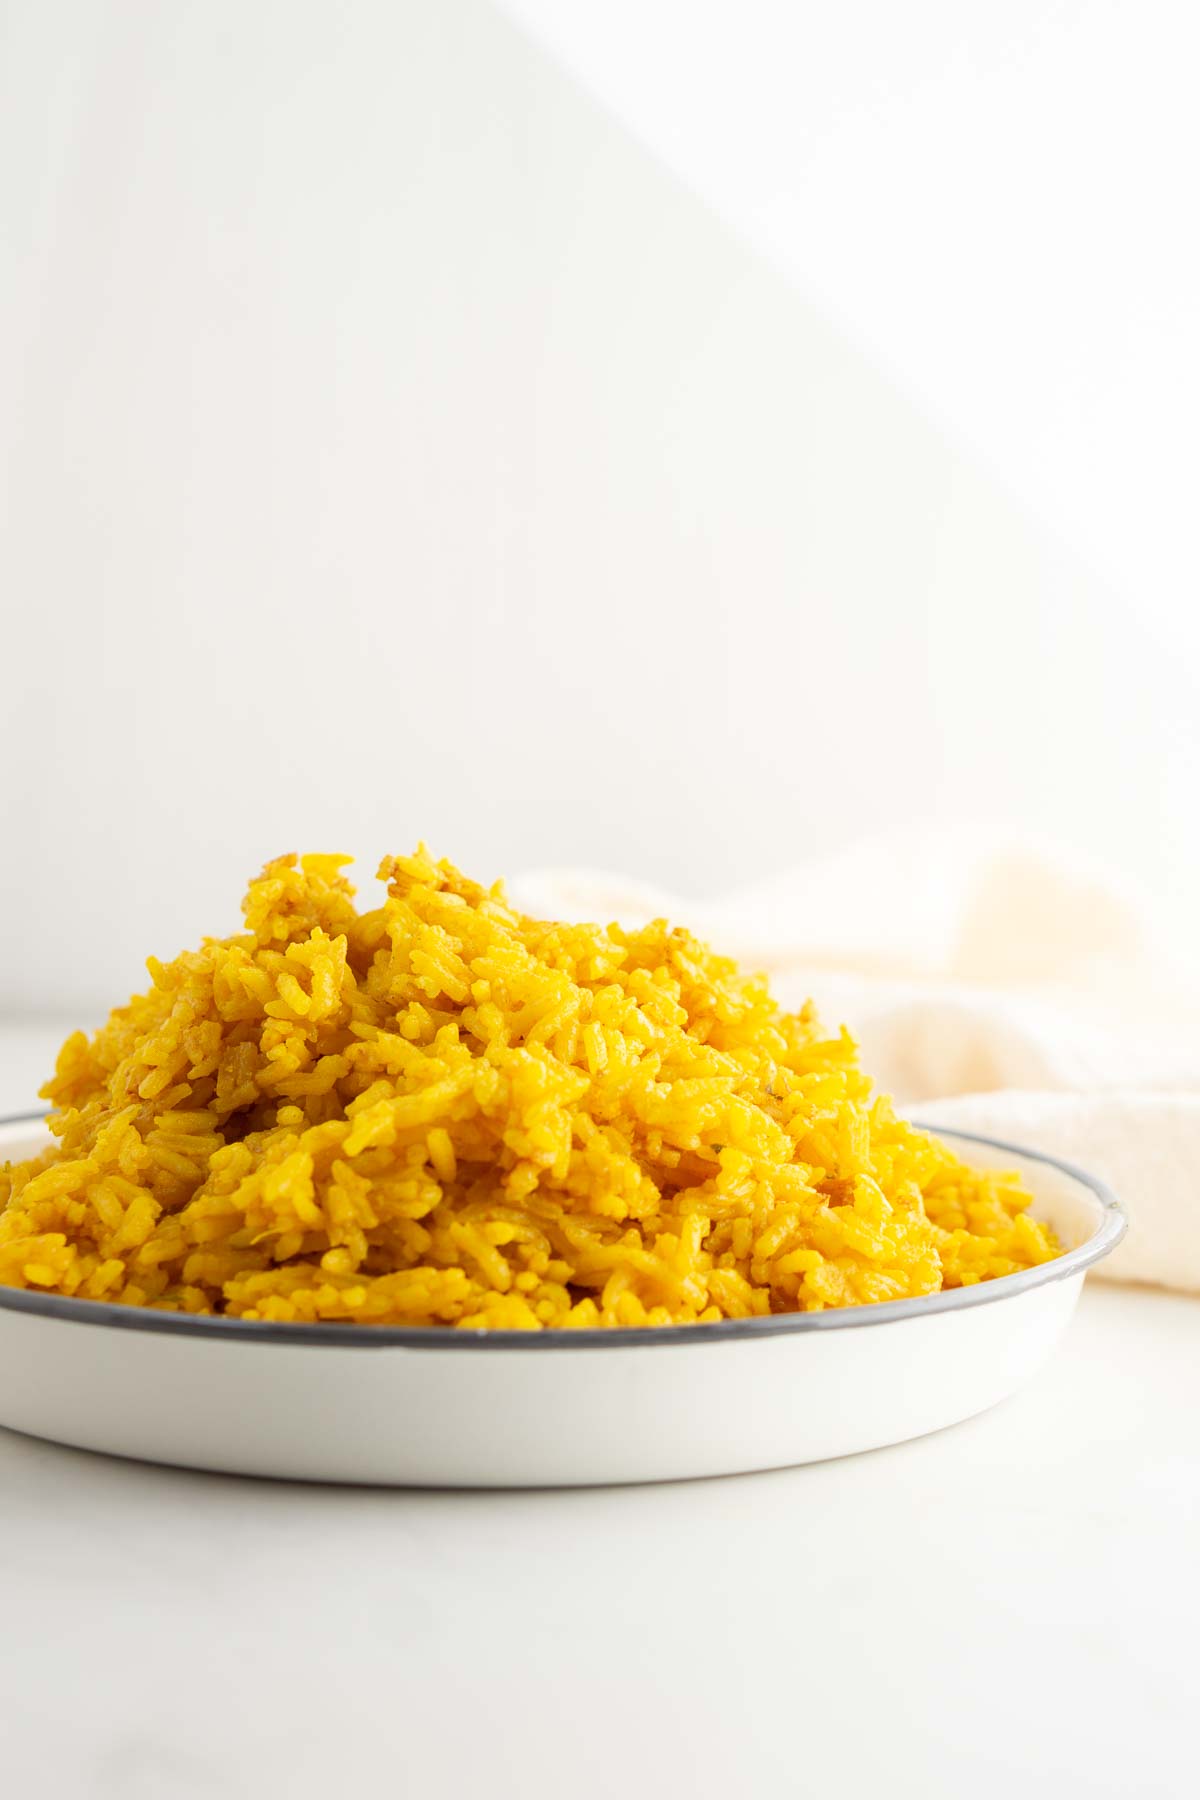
397, 441
682, 438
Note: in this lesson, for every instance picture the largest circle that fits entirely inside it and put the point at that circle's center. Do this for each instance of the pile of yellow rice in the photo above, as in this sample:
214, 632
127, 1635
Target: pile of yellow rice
441, 1112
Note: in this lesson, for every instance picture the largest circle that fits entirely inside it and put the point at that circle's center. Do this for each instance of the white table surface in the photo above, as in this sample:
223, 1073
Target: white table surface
1007, 1608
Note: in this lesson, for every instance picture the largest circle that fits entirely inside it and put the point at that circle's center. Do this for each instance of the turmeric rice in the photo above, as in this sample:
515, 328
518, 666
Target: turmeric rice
440, 1112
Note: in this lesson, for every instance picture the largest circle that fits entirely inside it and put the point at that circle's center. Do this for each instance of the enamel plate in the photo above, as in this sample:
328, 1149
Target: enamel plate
428, 1407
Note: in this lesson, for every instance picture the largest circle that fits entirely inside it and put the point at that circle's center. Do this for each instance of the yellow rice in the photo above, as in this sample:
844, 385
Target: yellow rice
441, 1112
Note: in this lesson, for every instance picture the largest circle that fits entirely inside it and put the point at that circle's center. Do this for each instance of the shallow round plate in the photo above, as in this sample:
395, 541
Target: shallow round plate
430, 1407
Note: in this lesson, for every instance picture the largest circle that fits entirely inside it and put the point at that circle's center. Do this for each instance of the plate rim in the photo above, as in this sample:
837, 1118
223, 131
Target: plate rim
108, 1315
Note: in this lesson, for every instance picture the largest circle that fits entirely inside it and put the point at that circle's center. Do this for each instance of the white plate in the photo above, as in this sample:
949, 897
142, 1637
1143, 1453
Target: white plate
431, 1407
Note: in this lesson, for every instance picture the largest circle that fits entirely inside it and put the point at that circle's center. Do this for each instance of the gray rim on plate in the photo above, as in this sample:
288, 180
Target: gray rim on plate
1113, 1224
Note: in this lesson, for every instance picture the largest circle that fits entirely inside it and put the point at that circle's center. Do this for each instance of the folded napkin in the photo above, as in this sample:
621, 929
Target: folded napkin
997, 985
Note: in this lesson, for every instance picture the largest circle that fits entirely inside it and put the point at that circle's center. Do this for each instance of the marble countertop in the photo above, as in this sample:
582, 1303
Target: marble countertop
1004, 1608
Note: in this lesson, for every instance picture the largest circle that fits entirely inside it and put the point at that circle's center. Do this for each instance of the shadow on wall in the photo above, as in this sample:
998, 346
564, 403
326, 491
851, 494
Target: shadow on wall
397, 450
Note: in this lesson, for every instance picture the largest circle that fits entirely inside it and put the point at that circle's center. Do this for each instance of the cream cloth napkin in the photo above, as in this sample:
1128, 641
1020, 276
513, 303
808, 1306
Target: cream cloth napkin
998, 985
